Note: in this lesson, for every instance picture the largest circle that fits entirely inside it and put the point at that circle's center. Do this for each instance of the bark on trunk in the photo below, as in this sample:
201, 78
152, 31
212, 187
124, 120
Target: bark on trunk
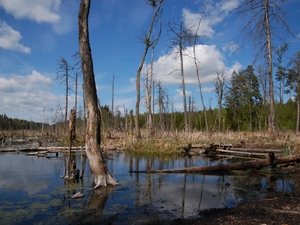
272, 128
298, 102
183, 83
225, 168
102, 176
148, 42
72, 170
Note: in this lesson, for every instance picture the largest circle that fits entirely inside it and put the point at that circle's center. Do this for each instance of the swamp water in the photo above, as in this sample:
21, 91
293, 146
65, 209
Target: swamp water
32, 191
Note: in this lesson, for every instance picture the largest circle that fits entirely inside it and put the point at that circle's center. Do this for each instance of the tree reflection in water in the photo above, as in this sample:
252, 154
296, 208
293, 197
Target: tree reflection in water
141, 197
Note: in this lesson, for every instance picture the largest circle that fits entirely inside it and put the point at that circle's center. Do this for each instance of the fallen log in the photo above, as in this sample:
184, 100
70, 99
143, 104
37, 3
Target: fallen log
257, 150
227, 156
41, 153
225, 168
242, 153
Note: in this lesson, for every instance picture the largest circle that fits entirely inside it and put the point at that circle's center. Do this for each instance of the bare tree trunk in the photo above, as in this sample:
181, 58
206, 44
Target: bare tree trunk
72, 171
265, 15
147, 41
270, 68
181, 37
76, 98
67, 91
102, 176
62, 76
220, 86
148, 92
112, 102
131, 123
149, 87
196, 62
183, 83
298, 102
250, 117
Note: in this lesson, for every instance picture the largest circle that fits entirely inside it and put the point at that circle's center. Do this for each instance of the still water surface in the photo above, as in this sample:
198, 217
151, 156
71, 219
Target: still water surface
32, 191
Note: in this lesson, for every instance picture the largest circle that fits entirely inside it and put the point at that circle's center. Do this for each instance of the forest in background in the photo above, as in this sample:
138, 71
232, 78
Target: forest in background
260, 98
10, 124
245, 102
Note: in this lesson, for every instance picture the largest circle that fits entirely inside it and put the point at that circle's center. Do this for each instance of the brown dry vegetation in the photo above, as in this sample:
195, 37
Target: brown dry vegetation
171, 142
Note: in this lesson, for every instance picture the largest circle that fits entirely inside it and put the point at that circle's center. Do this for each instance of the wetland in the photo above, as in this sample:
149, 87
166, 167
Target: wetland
33, 191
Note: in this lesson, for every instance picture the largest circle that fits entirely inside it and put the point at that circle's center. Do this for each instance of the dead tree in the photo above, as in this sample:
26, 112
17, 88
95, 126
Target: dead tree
220, 87
157, 7
181, 37
131, 123
195, 38
77, 72
102, 176
266, 19
72, 170
63, 76
149, 83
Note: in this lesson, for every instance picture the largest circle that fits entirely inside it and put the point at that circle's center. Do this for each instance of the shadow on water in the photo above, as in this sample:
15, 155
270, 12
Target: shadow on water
32, 190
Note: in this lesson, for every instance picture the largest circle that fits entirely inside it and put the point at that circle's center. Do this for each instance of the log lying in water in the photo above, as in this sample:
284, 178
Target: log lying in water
221, 168
256, 150
249, 154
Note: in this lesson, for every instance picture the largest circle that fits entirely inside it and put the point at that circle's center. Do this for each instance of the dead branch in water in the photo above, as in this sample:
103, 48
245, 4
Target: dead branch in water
221, 168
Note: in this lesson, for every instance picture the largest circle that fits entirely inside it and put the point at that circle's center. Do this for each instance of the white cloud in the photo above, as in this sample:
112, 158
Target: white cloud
236, 67
231, 47
214, 14
166, 68
179, 94
207, 89
191, 21
25, 96
9, 39
229, 5
36, 10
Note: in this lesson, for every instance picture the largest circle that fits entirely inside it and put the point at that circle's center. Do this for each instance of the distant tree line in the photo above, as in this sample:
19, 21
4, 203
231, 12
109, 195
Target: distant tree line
7, 124
243, 107
236, 118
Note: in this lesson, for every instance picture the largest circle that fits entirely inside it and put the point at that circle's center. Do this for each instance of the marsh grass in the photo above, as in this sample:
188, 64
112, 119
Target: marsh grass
173, 143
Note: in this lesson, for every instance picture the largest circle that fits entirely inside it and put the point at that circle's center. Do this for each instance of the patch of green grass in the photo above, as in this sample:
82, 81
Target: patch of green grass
287, 151
155, 147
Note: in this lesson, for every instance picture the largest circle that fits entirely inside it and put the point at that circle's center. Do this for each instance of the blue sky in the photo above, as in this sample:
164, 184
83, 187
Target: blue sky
35, 34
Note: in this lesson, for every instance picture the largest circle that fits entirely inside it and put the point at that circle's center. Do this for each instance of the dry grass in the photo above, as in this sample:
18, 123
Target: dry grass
173, 142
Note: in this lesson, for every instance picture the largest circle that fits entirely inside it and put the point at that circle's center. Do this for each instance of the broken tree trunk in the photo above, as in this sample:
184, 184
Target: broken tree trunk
72, 170
100, 172
225, 168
